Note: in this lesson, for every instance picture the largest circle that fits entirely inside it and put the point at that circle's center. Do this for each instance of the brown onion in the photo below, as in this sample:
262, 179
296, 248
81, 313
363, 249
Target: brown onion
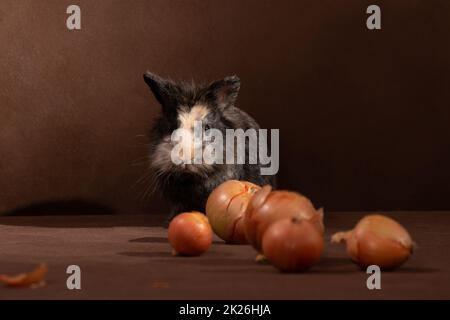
226, 207
292, 245
190, 234
267, 207
377, 240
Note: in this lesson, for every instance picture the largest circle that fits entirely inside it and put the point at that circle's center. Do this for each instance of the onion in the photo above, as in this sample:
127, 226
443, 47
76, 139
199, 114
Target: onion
226, 207
377, 240
292, 245
190, 234
267, 207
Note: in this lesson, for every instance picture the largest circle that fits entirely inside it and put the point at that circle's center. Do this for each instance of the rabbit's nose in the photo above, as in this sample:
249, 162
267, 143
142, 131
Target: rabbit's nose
186, 153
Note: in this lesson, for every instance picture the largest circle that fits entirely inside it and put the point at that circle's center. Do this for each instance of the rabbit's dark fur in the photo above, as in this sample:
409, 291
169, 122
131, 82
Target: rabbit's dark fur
187, 187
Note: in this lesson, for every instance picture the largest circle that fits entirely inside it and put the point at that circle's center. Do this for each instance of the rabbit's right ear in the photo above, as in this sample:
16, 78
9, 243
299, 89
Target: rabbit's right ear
161, 89
224, 92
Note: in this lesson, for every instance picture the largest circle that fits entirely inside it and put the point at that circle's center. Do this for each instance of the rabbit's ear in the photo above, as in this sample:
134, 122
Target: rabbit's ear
224, 92
161, 89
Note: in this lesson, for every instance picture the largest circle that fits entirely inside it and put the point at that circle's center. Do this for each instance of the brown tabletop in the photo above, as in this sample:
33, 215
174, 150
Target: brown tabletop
128, 257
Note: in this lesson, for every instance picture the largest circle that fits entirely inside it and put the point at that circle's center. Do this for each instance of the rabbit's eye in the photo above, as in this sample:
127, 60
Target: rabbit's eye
207, 127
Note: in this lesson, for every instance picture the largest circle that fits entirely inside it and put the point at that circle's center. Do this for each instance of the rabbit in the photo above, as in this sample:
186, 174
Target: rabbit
186, 187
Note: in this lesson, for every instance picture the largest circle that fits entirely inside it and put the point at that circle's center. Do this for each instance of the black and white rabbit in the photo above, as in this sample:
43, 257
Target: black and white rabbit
187, 186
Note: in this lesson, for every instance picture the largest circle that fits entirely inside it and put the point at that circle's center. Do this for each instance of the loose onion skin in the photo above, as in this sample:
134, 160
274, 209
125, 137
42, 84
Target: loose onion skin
292, 245
190, 234
377, 240
226, 207
26, 279
268, 206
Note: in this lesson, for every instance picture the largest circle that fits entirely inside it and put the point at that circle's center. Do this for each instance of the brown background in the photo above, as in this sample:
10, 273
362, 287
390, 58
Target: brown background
363, 115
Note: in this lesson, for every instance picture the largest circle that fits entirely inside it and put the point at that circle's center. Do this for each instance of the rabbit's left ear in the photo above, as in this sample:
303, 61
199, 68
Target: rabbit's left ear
224, 92
162, 90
